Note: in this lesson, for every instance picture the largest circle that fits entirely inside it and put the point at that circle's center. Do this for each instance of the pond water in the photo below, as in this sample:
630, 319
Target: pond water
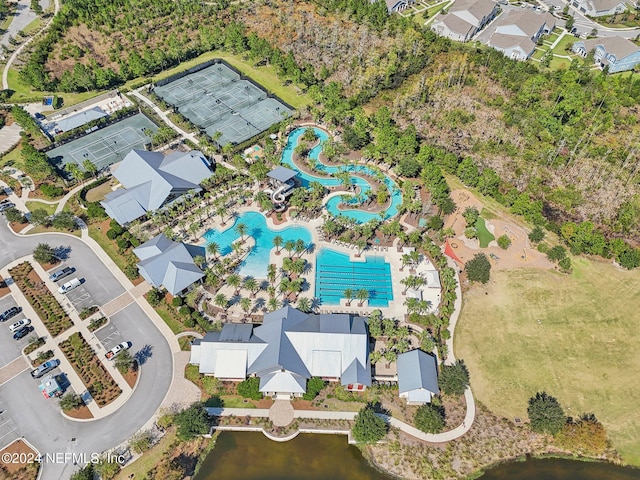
252, 456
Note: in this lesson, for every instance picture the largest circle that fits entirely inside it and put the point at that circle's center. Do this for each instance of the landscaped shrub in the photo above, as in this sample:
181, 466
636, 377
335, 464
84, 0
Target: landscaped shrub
189, 322
429, 418
43, 302
504, 242
176, 302
478, 268
185, 311
90, 369
314, 386
111, 234
368, 427
250, 388
51, 191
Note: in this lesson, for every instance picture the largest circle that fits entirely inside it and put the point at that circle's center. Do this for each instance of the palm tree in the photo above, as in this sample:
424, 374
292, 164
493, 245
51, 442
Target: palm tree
74, 171
277, 242
304, 305
289, 245
241, 229
221, 300
348, 294
406, 260
295, 286
234, 281
271, 291
213, 249
285, 284
251, 284
362, 295
245, 304
220, 211
199, 260
299, 247
89, 167
273, 304
237, 249
271, 273
298, 266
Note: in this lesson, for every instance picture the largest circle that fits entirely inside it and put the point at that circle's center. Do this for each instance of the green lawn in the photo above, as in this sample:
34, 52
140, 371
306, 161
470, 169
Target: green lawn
560, 63
236, 401
12, 158
566, 41
575, 336
32, 205
23, 91
484, 235
32, 27
175, 326
143, 465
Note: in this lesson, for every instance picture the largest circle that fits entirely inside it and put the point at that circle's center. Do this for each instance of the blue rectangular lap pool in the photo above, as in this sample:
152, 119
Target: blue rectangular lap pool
335, 273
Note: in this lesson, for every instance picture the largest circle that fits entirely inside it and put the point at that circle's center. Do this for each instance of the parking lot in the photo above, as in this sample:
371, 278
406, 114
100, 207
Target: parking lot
98, 285
9, 348
109, 336
8, 431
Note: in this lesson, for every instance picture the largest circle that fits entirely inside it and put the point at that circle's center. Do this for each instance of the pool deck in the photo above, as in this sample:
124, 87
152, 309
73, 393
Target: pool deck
396, 308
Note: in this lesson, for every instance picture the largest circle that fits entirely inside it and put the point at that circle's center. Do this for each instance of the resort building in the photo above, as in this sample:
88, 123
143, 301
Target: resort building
282, 182
464, 19
599, 8
517, 32
616, 53
151, 180
74, 121
417, 377
168, 264
288, 349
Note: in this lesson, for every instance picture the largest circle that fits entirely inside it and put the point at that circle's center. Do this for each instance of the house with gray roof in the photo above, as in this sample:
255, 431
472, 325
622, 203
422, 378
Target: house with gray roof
398, 5
464, 19
617, 54
599, 8
288, 349
168, 264
417, 377
516, 33
151, 180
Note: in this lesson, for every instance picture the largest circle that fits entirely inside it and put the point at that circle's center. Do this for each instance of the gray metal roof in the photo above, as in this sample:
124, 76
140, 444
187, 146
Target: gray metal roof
167, 263
356, 373
281, 174
417, 370
236, 332
298, 344
79, 119
177, 173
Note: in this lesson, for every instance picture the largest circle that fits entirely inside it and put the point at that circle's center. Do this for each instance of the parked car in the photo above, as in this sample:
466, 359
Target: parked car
70, 285
23, 332
60, 274
6, 206
118, 349
12, 312
44, 368
39, 116
19, 324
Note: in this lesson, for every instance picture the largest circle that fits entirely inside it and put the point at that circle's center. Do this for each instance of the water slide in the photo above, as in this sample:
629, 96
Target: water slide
279, 197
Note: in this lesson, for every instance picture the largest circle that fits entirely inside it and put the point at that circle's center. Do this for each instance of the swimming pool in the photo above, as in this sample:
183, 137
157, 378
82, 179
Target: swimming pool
335, 273
332, 205
257, 262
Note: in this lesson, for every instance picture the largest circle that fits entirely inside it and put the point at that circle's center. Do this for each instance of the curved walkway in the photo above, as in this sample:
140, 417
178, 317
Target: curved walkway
14, 55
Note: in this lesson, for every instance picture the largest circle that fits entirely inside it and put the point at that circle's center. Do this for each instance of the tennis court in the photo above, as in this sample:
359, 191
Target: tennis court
216, 99
105, 146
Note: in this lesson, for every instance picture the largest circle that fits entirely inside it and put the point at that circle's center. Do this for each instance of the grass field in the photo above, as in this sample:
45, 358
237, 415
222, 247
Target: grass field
141, 467
484, 235
575, 336
46, 206
23, 91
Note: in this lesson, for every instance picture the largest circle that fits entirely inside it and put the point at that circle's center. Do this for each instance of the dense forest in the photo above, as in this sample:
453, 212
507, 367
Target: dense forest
555, 146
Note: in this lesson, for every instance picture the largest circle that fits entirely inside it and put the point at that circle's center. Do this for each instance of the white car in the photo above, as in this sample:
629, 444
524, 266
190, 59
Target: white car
118, 349
70, 285
19, 324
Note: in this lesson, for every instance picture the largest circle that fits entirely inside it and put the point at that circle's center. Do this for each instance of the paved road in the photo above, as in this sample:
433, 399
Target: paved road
39, 420
23, 17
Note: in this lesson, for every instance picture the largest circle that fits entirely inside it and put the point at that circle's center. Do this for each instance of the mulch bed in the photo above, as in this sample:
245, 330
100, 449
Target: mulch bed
82, 413
19, 471
4, 290
131, 377
18, 227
